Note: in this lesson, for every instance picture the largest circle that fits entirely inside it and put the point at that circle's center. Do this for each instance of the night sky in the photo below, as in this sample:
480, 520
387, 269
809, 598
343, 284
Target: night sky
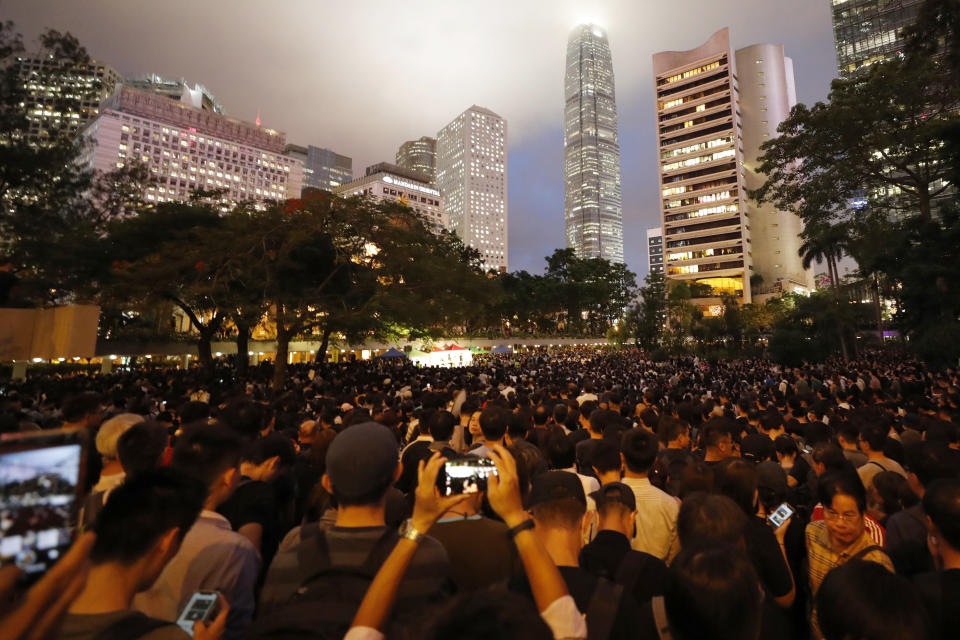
362, 76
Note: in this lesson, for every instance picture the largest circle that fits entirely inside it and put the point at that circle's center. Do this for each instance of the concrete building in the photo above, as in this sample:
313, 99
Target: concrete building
322, 168
179, 89
709, 138
186, 149
869, 31
655, 249
420, 156
767, 93
386, 181
593, 210
472, 178
62, 97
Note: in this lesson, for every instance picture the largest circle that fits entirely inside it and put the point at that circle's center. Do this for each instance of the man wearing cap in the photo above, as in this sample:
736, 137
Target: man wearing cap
362, 465
610, 555
111, 474
559, 508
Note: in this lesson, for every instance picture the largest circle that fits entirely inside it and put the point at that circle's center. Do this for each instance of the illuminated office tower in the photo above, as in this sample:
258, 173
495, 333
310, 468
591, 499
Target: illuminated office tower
472, 178
869, 31
593, 210
709, 137
655, 249
420, 156
62, 97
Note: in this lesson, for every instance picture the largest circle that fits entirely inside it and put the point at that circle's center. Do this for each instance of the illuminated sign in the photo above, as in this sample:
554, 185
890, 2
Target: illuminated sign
411, 185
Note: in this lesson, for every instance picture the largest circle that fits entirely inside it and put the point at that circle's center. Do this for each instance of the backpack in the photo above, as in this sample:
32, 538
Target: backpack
135, 625
325, 603
602, 610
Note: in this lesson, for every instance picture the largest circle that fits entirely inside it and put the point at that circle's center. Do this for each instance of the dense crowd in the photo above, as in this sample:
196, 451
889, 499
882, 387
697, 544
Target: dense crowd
633, 499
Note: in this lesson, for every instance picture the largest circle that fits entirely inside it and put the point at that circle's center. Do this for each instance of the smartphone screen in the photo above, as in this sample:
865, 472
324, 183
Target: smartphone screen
465, 476
199, 607
40, 482
778, 517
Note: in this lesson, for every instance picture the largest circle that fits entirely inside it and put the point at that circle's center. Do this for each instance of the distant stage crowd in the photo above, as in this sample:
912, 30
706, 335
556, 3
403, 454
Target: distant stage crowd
682, 499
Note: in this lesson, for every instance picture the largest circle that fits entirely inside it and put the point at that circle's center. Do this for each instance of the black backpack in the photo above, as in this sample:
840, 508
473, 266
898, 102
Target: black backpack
325, 604
135, 625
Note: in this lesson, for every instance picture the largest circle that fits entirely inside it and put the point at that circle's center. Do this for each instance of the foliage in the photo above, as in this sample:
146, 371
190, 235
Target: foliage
646, 318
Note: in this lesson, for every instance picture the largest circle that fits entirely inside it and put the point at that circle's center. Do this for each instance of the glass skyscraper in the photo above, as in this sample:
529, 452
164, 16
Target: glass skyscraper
869, 31
420, 156
591, 151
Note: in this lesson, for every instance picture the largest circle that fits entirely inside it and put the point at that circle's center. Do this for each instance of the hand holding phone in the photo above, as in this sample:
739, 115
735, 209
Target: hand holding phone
466, 475
780, 515
205, 607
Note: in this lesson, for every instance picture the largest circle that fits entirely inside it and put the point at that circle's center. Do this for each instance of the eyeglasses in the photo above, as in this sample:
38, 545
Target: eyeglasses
848, 517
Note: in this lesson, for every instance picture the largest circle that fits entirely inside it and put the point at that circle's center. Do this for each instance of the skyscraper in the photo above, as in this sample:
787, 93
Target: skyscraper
322, 168
709, 139
472, 178
869, 31
62, 97
591, 151
176, 89
655, 249
384, 181
420, 156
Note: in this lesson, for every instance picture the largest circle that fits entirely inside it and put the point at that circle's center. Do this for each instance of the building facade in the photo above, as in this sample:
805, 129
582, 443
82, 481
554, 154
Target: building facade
655, 249
186, 149
420, 156
386, 181
62, 98
870, 31
715, 107
767, 93
593, 210
322, 168
196, 96
472, 179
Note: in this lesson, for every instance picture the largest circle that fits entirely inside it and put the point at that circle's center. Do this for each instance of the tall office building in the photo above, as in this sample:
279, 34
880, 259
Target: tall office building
655, 249
709, 138
420, 156
869, 31
593, 209
62, 97
322, 168
188, 149
472, 178
176, 89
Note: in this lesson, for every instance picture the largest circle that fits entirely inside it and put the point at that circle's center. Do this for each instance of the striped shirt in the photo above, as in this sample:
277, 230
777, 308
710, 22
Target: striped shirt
871, 526
823, 558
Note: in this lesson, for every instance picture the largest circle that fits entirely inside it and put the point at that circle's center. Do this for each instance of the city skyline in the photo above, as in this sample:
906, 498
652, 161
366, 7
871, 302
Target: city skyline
329, 106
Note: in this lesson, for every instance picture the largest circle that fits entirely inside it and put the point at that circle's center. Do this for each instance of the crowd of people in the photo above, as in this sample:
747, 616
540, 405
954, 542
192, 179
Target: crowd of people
632, 499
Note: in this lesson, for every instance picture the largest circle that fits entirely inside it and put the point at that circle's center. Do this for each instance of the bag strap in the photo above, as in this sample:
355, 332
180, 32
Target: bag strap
602, 609
135, 625
378, 554
313, 552
660, 618
629, 570
860, 554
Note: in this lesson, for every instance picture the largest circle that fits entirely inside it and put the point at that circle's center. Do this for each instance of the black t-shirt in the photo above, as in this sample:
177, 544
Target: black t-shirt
764, 552
940, 592
760, 444
255, 501
581, 584
649, 576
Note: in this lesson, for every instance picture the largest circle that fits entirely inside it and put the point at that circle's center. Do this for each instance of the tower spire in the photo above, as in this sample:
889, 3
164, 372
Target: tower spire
258, 117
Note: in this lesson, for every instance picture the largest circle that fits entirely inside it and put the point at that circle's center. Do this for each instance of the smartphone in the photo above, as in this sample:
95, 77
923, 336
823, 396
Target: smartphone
466, 475
778, 517
41, 477
201, 607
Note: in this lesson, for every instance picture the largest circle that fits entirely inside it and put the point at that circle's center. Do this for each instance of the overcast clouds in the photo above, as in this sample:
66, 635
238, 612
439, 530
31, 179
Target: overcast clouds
362, 76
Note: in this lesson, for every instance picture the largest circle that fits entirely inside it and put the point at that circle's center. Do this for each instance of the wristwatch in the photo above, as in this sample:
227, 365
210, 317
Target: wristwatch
408, 531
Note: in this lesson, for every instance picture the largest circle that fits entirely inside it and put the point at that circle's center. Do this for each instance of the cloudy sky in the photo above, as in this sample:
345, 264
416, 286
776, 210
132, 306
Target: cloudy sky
362, 76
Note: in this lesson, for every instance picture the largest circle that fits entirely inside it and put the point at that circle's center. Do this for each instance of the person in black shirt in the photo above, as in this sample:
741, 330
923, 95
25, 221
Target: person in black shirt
609, 554
940, 590
674, 435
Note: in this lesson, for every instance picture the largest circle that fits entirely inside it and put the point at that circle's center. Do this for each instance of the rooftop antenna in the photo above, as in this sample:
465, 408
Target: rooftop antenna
258, 117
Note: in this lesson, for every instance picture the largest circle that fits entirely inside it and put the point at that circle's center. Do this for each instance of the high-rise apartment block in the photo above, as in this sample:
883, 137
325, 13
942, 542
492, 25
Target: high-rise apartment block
709, 139
869, 31
420, 156
322, 168
386, 181
62, 97
188, 149
472, 178
176, 89
593, 208
655, 249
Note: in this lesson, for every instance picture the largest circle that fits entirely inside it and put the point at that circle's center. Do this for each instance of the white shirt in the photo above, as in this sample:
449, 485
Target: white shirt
656, 520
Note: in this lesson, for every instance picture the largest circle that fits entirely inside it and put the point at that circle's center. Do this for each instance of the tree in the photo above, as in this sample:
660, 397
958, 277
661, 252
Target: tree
646, 317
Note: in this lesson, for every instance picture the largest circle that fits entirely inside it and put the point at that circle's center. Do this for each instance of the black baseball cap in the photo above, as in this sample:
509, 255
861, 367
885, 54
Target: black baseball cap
556, 485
